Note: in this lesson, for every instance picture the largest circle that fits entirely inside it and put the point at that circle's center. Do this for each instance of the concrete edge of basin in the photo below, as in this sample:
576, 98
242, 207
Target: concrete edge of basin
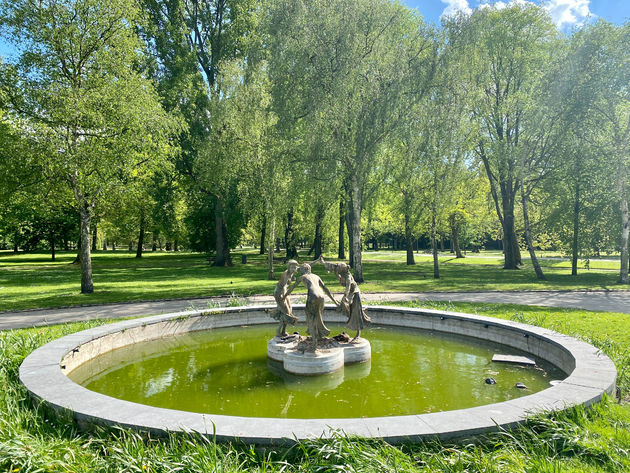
591, 375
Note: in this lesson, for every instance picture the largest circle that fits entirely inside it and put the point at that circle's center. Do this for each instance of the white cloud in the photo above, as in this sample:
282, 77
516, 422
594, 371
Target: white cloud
568, 12
455, 6
564, 13
502, 5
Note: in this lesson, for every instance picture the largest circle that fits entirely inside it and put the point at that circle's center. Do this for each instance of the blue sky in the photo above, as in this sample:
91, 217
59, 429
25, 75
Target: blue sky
565, 13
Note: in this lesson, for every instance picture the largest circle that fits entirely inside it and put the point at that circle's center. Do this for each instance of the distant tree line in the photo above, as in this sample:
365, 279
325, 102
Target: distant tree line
331, 125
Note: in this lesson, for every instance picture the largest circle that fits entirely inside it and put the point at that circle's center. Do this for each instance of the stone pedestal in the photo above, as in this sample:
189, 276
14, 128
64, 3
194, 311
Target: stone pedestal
324, 360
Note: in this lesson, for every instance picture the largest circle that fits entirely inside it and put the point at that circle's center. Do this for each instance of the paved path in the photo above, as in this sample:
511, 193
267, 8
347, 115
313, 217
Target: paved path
606, 301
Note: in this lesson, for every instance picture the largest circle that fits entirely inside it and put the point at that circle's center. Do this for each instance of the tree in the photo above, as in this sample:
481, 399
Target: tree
76, 86
346, 72
191, 41
612, 111
503, 52
441, 155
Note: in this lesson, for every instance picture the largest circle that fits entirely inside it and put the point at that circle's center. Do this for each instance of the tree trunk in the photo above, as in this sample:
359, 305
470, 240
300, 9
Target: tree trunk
221, 244
505, 212
576, 230
625, 229
77, 258
510, 244
104, 245
434, 247
289, 237
528, 235
341, 249
409, 239
350, 237
140, 236
317, 241
175, 245
356, 230
263, 234
94, 237
52, 246
15, 248
272, 237
455, 241
87, 285
114, 245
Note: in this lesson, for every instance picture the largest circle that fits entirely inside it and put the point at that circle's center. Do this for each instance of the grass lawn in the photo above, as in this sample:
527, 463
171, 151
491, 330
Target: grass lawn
34, 281
579, 440
547, 259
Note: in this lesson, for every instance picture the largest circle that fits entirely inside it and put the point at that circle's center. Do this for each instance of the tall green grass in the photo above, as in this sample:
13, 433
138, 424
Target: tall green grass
34, 440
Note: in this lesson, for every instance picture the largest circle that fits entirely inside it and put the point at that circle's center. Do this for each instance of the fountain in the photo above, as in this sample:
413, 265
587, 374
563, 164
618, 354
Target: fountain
423, 374
318, 354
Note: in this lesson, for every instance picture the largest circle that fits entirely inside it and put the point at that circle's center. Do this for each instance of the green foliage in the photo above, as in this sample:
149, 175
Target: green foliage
77, 87
200, 222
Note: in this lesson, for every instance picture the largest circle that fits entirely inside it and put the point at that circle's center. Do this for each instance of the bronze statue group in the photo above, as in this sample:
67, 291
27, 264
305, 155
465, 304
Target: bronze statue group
350, 302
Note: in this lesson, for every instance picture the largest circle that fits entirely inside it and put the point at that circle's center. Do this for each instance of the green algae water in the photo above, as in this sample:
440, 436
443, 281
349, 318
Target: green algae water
226, 371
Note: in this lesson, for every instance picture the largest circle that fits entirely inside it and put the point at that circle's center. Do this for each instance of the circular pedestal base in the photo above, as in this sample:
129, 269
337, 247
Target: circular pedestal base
357, 351
276, 347
309, 363
323, 360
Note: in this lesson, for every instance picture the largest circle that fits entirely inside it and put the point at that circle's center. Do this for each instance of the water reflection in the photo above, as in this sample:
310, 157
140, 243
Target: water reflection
326, 382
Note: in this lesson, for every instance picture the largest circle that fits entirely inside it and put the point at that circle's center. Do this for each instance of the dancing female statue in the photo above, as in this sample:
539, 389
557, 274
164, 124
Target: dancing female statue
351, 300
284, 312
314, 303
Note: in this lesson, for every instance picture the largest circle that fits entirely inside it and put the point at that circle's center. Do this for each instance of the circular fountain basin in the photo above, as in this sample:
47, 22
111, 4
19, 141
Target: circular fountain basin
44, 373
226, 371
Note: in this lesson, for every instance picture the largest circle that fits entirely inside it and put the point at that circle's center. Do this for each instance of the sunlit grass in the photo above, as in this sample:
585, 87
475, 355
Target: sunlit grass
34, 281
547, 259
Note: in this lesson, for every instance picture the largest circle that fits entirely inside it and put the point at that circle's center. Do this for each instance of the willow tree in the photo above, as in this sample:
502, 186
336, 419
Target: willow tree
76, 85
611, 109
503, 54
347, 72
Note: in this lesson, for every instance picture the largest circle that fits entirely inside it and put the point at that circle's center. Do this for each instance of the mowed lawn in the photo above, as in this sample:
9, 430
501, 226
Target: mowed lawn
34, 281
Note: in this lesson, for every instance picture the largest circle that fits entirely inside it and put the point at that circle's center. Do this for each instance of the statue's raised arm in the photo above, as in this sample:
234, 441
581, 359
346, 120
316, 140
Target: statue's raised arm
330, 267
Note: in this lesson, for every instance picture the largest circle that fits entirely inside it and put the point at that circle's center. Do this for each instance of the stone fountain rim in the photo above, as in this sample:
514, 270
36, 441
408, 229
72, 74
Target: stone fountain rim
41, 373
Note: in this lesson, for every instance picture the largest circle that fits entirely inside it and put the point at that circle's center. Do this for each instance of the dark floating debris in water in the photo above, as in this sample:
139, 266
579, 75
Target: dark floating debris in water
520, 386
491, 381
